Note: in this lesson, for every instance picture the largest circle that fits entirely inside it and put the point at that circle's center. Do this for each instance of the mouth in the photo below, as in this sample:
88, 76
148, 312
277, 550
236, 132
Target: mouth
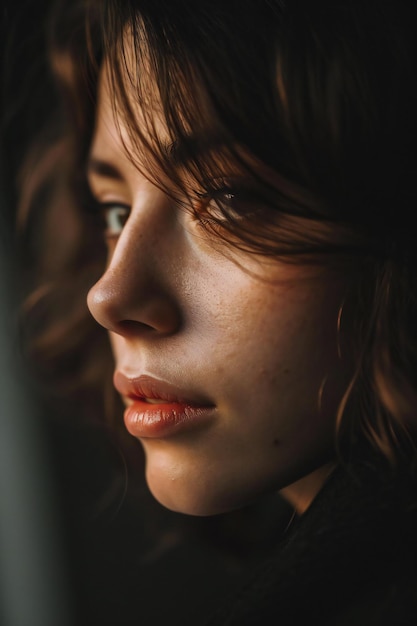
158, 409
153, 400
130, 400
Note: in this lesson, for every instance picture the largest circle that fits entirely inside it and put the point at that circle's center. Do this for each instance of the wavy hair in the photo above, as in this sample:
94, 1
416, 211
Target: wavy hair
312, 103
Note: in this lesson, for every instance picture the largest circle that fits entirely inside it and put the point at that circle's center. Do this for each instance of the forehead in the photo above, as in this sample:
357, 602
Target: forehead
124, 106
134, 104
131, 128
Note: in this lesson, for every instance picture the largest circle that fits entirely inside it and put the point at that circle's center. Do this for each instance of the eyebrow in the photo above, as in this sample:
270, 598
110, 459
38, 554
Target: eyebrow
182, 151
103, 169
179, 153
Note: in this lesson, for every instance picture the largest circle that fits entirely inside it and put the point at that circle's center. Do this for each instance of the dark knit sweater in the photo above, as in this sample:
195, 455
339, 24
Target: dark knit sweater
351, 559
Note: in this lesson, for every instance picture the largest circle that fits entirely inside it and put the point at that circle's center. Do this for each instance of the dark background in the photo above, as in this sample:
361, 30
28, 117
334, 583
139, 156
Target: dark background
26, 88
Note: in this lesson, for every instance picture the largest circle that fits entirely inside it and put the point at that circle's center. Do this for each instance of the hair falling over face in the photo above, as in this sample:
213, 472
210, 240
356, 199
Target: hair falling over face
283, 132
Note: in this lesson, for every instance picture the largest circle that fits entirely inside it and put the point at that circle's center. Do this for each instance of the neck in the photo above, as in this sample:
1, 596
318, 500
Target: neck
301, 493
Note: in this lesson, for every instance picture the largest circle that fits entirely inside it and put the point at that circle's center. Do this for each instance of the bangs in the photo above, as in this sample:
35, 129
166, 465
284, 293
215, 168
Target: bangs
204, 114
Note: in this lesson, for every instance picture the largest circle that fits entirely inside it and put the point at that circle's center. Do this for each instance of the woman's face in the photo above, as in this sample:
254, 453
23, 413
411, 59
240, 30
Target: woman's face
228, 362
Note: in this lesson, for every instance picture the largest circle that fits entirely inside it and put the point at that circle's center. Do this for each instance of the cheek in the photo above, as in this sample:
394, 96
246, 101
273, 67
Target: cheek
280, 339
281, 374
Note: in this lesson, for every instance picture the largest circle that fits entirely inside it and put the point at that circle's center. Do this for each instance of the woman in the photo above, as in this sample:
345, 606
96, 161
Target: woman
251, 163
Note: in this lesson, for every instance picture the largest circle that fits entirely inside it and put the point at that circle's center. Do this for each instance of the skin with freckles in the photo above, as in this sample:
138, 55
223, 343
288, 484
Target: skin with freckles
255, 338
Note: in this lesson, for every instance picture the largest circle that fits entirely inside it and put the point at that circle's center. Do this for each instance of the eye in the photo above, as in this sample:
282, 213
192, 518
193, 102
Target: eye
227, 203
115, 216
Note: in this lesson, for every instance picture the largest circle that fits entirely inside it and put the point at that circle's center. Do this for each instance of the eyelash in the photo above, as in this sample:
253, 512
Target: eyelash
232, 203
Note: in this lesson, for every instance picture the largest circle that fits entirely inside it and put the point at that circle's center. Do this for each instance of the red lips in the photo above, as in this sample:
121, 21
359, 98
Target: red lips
169, 411
143, 387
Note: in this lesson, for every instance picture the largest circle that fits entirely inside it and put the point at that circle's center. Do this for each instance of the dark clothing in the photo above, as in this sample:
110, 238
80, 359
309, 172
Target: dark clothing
350, 560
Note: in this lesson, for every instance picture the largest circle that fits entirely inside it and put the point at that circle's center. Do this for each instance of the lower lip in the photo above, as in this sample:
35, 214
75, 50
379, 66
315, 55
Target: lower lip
145, 420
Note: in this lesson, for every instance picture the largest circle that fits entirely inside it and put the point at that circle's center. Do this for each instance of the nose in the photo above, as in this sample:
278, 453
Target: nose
136, 294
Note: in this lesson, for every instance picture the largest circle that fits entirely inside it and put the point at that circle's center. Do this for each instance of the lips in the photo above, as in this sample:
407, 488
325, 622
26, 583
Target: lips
158, 409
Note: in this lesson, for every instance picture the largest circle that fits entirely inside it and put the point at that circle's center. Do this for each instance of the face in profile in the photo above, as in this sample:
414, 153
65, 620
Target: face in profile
228, 362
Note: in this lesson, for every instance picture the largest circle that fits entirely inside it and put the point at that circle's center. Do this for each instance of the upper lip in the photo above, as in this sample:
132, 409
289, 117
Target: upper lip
146, 387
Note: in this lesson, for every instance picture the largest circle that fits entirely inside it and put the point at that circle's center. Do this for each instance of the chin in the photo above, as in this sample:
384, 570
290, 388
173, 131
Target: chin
182, 497
187, 505
196, 493
190, 494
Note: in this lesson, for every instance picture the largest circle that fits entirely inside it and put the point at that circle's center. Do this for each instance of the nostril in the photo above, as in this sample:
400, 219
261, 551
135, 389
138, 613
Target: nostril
130, 328
127, 311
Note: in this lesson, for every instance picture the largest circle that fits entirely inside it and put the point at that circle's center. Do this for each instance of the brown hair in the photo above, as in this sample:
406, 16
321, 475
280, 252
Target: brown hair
312, 101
